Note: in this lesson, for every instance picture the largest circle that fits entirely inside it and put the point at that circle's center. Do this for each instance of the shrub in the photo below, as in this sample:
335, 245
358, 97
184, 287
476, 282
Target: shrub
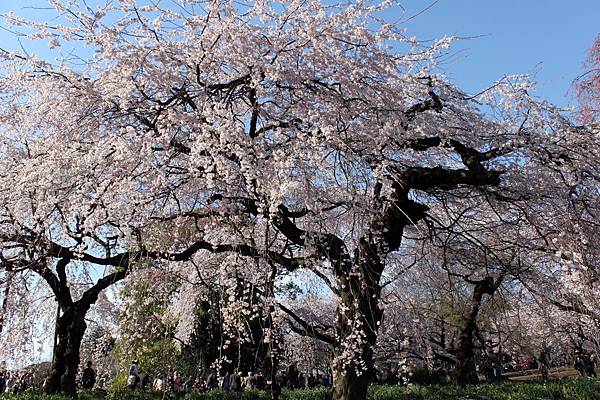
217, 394
137, 395
424, 376
310, 394
31, 395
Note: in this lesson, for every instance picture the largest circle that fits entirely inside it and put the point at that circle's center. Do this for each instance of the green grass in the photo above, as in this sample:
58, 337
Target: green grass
572, 389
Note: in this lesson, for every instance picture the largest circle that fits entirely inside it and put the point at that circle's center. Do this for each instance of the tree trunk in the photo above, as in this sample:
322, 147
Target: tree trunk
353, 366
348, 386
465, 371
5, 299
70, 328
357, 323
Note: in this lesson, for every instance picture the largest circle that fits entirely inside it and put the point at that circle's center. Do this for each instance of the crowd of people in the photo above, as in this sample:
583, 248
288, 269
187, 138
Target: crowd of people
15, 381
585, 364
291, 378
172, 381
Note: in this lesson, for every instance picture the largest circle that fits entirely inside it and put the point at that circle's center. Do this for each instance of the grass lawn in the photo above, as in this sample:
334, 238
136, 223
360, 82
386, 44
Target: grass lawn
570, 389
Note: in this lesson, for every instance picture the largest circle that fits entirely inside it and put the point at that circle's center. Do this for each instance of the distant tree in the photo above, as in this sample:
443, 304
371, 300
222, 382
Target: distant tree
587, 86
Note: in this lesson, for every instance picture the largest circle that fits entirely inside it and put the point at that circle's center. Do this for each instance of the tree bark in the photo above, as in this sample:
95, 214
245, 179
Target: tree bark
70, 328
348, 386
70, 325
358, 321
5, 300
465, 371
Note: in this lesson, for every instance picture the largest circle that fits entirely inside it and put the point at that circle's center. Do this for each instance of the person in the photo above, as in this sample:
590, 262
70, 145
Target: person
275, 388
211, 380
589, 365
235, 381
250, 381
592, 366
144, 381
24, 381
176, 382
292, 377
199, 384
10, 381
133, 375
311, 381
577, 363
187, 384
88, 377
101, 387
159, 384
301, 381
225, 381
580, 363
2, 381
170, 381
544, 365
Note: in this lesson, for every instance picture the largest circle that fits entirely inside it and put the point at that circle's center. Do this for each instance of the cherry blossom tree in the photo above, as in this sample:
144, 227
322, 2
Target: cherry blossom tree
193, 320
98, 346
287, 137
27, 317
587, 86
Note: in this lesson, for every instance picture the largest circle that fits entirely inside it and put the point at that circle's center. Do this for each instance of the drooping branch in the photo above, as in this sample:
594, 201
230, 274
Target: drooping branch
573, 306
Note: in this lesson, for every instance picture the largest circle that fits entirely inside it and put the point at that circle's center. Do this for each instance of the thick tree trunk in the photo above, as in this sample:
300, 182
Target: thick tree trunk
70, 328
353, 366
357, 324
348, 386
465, 371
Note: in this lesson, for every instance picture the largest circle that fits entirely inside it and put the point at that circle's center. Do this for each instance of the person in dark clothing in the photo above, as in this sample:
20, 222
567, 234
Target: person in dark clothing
171, 380
544, 363
235, 381
589, 366
134, 375
292, 377
88, 377
301, 381
225, 381
144, 380
2, 381
311, 381
275, 388
211, 380
592, 366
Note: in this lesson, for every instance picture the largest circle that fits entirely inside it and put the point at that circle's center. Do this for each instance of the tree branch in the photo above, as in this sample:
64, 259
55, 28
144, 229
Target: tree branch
305, 328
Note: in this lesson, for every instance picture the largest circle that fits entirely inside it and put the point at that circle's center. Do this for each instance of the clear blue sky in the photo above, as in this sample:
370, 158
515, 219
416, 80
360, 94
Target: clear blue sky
545, 37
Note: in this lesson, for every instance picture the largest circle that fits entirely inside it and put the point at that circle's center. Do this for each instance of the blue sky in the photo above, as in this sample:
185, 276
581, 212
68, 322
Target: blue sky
548, 38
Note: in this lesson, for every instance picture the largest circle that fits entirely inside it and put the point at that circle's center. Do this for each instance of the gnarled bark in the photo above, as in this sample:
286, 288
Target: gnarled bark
348, 386
70, 328
465, 369
358, 318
